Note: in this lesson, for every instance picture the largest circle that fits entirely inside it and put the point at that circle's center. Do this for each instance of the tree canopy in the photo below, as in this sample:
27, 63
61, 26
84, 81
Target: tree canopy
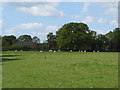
71, 36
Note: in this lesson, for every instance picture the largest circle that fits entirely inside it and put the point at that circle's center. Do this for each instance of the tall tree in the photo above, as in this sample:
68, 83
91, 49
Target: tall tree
25, 38
92, 40
8, 40
52, 41
116, 39
73, 36
110, 37
35, 39
102, 41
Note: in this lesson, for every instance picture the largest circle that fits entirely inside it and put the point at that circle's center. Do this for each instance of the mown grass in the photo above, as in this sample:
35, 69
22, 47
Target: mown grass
32, 69
0, 75
0, 71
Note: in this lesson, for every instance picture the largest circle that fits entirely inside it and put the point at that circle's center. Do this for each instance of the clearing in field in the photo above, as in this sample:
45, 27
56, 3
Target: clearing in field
32, 69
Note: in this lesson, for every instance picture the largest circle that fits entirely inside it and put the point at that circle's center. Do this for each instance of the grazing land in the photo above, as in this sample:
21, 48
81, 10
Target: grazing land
0, 73
34, 69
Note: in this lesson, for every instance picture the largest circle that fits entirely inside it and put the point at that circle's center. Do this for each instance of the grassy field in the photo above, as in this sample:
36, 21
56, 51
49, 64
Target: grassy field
0, 72
32, 69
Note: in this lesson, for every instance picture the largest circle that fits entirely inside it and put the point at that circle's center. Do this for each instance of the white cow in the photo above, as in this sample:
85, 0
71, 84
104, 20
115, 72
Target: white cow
50, 50
59, 50
97, 50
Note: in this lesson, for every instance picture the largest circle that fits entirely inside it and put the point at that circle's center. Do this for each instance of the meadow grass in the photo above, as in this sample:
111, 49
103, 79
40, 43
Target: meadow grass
0, 71
32, 69
0, 75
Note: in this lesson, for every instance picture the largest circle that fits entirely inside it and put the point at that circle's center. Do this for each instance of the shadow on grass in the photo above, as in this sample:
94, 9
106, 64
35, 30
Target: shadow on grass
8, 55
4, 58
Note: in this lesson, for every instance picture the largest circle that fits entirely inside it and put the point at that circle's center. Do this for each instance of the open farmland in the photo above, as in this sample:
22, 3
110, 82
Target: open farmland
33, 69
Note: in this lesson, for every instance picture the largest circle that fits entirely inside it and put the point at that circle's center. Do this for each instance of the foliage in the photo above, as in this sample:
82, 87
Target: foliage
35, 39
71, 36
8, 40
25, 38
52, 41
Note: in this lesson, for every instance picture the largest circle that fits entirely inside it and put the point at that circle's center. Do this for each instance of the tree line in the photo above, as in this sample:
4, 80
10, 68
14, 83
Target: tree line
71, 36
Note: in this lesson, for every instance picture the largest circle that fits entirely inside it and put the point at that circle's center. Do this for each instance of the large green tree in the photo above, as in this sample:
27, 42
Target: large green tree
110, 37
25, 38
102, 42
8, 40
92, 40
73, 36
35, 39
52, 41
114, 39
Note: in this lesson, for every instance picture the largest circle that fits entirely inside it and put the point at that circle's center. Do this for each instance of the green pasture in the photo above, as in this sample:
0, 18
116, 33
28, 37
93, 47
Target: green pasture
33, 69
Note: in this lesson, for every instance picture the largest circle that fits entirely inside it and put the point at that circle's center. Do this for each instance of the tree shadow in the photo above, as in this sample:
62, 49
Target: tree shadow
8, 55
4, 58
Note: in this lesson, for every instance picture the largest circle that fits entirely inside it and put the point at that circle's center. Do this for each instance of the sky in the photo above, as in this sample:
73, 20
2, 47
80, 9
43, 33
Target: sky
40, 18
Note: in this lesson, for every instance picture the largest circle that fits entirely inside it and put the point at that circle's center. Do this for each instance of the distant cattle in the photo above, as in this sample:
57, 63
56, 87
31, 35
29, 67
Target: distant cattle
50, 50
41, 51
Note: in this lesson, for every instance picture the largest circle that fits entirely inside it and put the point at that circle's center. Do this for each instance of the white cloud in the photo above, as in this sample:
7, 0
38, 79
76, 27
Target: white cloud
110, 8
33, 29
1, 8
51, 27
102, 20
39, 33
29, 26
111, 11
1, 23
31, 4
88, 19
60, 0
114, 23
100, 31
76, 17
41, 9
85, 7
10, 31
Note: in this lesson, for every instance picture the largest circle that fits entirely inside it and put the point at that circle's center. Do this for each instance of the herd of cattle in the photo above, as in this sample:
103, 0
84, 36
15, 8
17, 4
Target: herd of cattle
70, 51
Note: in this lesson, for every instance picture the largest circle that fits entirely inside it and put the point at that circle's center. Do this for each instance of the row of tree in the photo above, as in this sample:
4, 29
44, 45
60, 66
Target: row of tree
71, 36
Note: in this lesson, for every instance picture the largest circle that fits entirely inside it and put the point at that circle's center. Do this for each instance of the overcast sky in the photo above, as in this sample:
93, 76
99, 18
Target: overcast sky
40, 18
